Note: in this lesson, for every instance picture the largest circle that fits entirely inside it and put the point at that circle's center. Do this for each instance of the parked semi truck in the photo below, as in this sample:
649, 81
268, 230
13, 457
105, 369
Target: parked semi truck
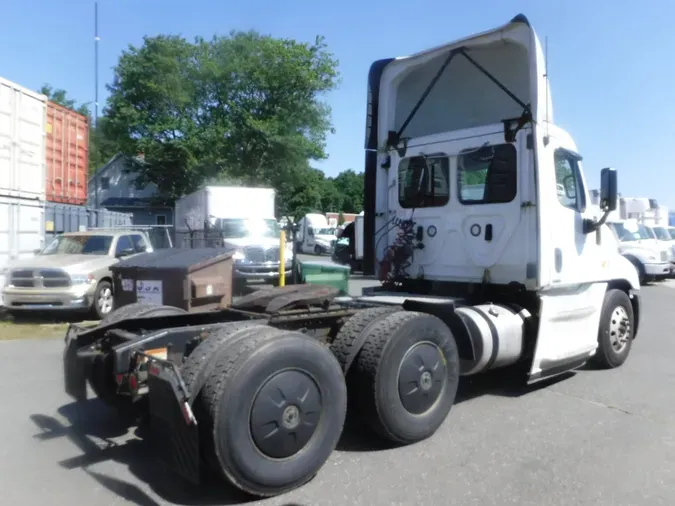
508, 275
315, 235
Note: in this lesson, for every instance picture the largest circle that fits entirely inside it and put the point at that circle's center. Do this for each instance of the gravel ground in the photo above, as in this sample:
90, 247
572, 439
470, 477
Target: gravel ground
591, 438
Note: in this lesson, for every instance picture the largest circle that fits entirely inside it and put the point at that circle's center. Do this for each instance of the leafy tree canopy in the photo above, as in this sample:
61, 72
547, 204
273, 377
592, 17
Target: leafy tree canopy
246, 107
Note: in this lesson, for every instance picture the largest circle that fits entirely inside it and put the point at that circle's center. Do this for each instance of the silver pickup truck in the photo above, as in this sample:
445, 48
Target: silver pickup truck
72, 273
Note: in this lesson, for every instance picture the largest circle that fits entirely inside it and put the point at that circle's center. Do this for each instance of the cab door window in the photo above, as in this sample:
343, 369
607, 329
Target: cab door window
569, 187
424, 181
487, 175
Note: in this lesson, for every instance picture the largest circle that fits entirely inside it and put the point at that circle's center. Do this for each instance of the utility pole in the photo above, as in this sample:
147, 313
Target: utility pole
95, 118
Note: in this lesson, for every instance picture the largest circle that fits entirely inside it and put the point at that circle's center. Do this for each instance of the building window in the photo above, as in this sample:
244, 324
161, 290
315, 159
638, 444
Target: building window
569, 187
160, 219
423, 181
138, 184
105, 183
487, 175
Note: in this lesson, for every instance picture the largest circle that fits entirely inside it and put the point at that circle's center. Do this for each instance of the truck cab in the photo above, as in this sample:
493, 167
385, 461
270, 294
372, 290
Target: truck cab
650, 257
315, 235
472, 190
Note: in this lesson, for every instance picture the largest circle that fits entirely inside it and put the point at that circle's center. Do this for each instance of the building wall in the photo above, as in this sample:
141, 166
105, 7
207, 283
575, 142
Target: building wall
115, 183
148, 215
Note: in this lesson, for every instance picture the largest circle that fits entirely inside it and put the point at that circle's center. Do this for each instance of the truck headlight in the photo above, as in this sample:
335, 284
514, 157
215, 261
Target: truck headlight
239, 256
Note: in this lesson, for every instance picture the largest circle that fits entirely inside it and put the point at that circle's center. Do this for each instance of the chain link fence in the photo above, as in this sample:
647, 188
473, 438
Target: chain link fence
211, 238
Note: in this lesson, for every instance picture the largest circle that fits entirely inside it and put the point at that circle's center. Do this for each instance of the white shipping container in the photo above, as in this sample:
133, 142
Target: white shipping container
212, 202
22, 142
21, 231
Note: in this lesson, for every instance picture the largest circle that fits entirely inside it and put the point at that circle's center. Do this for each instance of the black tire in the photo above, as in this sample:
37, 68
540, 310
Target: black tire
349, 339
102, 378
203, 359
395, 347
615, 339
317, 250
236, 395
103, 303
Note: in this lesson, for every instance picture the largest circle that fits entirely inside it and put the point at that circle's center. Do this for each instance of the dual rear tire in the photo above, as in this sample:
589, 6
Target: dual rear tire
403, 381
271, 404
271, 407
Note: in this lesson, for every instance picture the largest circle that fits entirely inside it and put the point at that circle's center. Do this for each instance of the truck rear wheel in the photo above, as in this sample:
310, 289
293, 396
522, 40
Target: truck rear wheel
615, 333
200, 363
349, 339
407, 372
278, 405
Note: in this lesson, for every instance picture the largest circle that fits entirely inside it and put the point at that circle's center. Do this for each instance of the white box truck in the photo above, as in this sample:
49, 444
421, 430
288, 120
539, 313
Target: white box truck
237, 217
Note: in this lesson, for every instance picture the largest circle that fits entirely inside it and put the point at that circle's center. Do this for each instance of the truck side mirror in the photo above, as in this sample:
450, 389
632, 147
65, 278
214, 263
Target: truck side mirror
609, 196
609, 189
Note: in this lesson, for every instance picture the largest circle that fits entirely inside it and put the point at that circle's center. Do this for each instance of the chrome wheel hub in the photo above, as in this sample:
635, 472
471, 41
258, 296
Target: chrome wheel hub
619, 329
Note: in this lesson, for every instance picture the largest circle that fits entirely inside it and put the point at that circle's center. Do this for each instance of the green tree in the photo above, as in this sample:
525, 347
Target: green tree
245, 107
351, 186
331, 198
61, 97
341, 218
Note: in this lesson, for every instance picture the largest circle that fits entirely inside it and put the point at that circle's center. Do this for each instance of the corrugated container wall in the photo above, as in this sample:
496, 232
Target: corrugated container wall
22, 142
61, 218
103, 218
67, 155
21, 231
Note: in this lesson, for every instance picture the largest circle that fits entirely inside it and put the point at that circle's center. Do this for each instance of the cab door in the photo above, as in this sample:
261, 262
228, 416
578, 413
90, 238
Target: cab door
572, 287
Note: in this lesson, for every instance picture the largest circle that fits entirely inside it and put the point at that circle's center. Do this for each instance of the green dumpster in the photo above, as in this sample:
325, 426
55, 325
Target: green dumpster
325, 273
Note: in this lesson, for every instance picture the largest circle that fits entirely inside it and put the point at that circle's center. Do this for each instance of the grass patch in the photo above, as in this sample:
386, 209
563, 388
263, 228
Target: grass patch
33, 327
34, 330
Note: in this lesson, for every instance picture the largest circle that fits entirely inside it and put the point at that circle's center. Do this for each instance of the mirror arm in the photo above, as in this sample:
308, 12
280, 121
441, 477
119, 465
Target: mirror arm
592, 226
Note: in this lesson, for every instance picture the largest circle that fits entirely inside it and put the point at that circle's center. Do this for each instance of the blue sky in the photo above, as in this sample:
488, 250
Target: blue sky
610, 63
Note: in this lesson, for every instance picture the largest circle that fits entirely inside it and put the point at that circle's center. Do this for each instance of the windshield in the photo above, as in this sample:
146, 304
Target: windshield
79, 245
238, 228
671, 231
648, 230
626, 235
662, 234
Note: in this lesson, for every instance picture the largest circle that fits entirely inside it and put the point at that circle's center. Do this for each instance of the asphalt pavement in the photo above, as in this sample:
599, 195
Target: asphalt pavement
590, 438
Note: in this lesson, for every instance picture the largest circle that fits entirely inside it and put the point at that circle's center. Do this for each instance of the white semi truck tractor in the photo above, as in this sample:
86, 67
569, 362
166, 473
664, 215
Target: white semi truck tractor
484, 263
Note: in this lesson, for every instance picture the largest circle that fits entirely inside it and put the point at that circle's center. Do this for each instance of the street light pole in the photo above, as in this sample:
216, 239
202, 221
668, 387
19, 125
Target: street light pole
95, 118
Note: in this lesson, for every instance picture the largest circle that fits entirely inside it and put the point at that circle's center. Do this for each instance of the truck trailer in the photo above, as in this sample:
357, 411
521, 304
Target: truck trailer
483, 264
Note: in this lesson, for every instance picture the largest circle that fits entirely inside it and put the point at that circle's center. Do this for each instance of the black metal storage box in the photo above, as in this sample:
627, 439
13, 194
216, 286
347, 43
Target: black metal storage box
191, 279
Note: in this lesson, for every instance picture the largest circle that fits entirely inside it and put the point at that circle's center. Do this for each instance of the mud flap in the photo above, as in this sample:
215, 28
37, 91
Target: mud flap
74, 370
173, 428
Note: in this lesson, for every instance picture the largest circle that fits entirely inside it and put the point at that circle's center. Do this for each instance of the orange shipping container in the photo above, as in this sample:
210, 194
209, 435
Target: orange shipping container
67, 155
